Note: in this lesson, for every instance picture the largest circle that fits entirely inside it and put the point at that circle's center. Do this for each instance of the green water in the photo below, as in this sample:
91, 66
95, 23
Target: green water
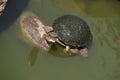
20, 61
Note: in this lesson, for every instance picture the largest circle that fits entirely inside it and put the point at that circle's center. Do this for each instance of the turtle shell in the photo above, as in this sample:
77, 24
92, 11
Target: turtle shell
72, 31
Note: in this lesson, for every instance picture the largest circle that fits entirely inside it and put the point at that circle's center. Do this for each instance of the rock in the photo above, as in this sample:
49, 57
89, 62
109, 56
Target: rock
2, 5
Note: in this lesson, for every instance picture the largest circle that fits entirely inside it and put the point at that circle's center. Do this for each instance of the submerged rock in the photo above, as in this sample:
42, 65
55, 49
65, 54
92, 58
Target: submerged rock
33, 31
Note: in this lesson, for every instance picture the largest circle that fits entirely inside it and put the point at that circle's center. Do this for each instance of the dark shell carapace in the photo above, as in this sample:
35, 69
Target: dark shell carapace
72, 31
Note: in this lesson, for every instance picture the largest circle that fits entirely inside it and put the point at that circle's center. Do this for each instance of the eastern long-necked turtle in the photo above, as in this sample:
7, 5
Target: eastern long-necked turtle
68, 30
73, 33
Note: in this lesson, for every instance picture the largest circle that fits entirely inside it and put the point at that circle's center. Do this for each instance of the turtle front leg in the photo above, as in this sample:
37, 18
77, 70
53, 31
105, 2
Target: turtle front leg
67, 49
58, 41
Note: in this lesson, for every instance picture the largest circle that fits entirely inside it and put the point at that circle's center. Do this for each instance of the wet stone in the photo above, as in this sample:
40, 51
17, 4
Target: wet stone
2, 5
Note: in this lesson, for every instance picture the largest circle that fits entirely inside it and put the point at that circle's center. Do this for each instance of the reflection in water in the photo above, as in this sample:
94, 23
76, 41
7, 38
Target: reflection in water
12, 11
33, 56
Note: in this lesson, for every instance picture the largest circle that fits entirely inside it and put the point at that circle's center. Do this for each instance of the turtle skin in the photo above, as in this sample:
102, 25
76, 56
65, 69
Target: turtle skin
72, 31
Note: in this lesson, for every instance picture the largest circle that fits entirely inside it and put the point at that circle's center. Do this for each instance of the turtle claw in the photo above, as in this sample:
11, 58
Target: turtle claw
67, 49
84, 52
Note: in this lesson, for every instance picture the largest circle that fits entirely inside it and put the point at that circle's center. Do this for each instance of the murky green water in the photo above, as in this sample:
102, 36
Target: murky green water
20, 61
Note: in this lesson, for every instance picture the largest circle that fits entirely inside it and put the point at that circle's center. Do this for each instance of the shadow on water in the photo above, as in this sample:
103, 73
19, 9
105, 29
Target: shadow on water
11, 12
55, 51
33, 56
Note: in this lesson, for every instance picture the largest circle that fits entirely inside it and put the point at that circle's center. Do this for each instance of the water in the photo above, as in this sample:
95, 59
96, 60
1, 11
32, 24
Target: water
20, 61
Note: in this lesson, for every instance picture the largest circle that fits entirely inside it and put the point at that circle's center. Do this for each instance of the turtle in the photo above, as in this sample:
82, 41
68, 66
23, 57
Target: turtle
73, 33
69, 31
34, 29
